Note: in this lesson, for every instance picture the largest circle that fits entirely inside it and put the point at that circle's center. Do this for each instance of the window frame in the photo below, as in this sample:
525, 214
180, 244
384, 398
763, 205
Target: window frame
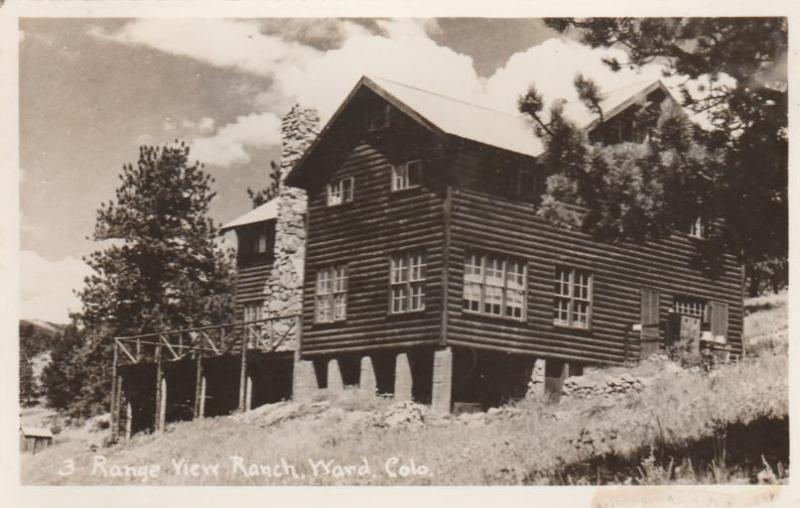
504, 289
683, 305
570, 297
697, 228
406, 176
334, 294
343, 194
409, 283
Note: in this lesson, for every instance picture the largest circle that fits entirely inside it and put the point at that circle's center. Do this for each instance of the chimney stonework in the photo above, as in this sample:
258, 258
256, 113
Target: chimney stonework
284, 288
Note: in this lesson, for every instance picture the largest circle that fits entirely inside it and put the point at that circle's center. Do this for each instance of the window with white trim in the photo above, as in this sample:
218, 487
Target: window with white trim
572, 302
495, 285
688, 306
340, 191
406, 175
407, 281
331, 294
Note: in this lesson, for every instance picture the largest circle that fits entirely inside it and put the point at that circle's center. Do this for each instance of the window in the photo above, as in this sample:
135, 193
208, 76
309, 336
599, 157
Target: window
495, 285
253, 311
572, 305
405, 176
688, 306
697, 228
519, 183
262, 243
331, 296
340, 191
407, 281
380, 118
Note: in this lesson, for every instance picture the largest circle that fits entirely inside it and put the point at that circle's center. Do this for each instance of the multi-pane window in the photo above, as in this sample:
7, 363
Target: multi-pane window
691, 307
572, 305
253, 312
407, 280
495, 285
519, 183
406, 175
340, 191
331, 294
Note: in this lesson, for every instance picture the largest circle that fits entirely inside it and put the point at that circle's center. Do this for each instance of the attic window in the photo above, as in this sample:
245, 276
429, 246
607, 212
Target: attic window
407, 175
697, 228
380, 118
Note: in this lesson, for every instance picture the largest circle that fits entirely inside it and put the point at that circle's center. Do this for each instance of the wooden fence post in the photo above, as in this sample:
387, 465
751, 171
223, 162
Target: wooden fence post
114, 401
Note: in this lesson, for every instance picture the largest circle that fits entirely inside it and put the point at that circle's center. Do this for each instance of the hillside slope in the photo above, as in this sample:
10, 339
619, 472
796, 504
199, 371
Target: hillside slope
684, 426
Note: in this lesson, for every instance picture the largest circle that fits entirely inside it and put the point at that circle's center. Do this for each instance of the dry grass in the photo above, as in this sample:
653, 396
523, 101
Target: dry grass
674, 431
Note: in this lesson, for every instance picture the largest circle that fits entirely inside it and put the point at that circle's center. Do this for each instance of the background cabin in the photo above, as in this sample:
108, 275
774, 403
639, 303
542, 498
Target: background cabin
34, 439
255, 254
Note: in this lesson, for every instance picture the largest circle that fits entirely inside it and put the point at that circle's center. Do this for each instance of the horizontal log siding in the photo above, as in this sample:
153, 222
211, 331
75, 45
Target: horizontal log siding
364, 234
493, 224
250, 282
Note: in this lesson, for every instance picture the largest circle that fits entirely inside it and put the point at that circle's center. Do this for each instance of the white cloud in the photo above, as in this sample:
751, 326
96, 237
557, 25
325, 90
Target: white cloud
221, 42
228, 145
46, 286
402, 50
205, 125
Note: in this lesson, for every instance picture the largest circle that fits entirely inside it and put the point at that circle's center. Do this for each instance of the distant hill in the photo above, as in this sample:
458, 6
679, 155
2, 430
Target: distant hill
29, 327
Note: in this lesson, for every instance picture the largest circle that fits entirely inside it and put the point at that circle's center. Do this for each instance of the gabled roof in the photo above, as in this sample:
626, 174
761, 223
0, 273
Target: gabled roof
267, 211
505, 130
508, 131
36, 432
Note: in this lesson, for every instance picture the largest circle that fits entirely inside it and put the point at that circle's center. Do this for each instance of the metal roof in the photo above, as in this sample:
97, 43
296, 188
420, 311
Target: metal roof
506, 130
36, 432
265, 212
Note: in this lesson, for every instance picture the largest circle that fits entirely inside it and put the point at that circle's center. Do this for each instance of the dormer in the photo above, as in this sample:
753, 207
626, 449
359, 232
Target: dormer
255, 235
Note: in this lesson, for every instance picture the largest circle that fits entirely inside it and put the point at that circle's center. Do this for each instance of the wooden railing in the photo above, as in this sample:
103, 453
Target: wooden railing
215, 340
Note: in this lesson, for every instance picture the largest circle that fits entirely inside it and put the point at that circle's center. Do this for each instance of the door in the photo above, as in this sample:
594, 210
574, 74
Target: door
649, 341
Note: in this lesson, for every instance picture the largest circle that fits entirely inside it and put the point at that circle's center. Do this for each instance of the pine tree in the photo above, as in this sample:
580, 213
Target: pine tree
269, 192
164, 270
749, 116
27, 384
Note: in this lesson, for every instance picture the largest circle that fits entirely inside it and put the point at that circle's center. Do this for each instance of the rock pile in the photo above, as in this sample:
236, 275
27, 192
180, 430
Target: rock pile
583, 387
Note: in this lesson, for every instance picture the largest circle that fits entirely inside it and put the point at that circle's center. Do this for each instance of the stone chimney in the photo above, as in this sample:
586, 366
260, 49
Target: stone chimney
284, 288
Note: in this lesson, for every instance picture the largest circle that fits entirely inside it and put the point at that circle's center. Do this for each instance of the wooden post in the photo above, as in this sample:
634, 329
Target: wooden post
243, 374
128, 420
159, 418
201, 411
199, 380
113, 402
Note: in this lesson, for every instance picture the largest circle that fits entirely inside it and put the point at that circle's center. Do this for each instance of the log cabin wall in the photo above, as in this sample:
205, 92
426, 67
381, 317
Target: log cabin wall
363, 235
486, 223
253, 268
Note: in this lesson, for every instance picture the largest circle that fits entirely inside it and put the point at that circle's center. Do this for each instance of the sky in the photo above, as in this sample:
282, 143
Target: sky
93, 90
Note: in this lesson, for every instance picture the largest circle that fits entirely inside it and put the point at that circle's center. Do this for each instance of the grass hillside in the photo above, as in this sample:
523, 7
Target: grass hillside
684, 426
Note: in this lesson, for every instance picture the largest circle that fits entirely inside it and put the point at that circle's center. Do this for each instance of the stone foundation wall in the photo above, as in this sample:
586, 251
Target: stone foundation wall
284, 289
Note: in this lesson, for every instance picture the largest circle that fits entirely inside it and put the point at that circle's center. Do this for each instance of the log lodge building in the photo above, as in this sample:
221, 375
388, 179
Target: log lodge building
403, 255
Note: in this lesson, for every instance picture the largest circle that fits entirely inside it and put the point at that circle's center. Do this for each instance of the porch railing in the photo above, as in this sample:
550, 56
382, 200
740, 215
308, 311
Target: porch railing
214, 340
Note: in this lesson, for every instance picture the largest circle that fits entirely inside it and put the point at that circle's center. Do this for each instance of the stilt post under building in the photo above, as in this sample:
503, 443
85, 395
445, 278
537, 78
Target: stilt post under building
160, 406
243, 374
199, 380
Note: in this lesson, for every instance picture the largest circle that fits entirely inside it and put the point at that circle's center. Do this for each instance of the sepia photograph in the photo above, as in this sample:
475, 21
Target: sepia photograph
403, 251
